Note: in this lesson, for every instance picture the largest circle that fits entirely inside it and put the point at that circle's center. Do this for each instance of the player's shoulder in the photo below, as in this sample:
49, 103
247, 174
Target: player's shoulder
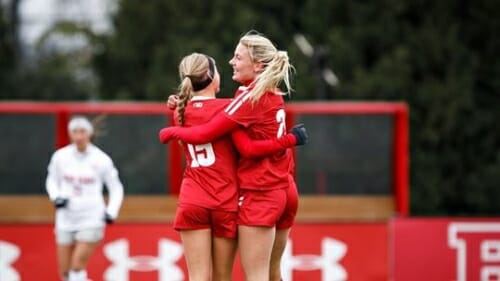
212, 103
242, 90
271, 100
241, 101
64, 151
201, 110
99, 153
275, 96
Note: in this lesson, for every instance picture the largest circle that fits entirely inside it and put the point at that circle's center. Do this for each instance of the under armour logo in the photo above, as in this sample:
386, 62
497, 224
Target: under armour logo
118, 253
8, 255
332, 252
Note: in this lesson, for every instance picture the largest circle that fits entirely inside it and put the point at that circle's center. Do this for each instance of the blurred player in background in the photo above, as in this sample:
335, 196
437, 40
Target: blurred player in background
76, 174
268, 196
207, 209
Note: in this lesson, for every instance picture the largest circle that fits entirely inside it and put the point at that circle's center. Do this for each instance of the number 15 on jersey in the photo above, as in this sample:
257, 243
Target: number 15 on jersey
202, 155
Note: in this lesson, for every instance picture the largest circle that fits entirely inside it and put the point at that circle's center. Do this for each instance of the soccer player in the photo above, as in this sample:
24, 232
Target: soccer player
76, 174
268, 196
207, 209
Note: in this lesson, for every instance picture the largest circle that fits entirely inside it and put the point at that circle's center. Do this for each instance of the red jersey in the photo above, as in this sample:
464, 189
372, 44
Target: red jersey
210, 175
263, 119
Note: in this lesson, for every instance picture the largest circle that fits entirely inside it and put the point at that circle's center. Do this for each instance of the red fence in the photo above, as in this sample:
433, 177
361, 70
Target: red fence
397, 157
407, 249
153, 252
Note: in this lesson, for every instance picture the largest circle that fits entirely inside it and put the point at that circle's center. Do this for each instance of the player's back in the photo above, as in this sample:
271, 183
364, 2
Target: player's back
210, 174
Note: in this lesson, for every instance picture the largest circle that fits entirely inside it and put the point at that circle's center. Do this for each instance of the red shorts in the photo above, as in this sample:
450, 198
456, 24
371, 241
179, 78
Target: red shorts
287, 219
261, 208
190, 217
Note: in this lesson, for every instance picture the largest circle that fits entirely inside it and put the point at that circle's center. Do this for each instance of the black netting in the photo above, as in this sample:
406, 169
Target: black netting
26, 144
132, 142
347, 154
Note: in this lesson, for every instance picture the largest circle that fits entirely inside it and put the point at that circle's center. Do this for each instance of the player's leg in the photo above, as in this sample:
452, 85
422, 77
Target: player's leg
86, 242
283, 227
255, 244
83, 251
198, 253
65, 246
193, 223
257, 216
224, 244
279, 246
224, 251
64, 253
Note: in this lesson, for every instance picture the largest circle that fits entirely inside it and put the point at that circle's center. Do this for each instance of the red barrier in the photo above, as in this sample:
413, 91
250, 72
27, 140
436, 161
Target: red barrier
408, 250
147, 252
446, 249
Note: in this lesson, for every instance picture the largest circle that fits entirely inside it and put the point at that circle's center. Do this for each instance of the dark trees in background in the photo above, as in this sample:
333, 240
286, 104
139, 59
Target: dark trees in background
442, 57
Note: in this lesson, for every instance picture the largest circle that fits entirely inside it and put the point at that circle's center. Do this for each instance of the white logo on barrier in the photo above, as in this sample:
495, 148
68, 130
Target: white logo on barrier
332, 251
8, 255
168, 254
488, 253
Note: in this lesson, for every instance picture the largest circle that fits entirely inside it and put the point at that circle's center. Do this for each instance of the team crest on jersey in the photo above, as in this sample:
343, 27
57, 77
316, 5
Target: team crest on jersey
197, 104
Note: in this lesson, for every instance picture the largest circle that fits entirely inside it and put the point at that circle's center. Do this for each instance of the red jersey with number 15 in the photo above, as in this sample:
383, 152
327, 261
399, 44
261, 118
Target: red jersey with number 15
263, 119
210, 175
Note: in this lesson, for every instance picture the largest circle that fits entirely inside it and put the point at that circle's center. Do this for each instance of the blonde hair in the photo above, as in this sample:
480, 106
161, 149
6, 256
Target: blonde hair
193, 69
277, 67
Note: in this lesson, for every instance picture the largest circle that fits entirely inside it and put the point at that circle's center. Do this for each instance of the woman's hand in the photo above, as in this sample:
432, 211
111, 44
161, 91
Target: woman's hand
172, 102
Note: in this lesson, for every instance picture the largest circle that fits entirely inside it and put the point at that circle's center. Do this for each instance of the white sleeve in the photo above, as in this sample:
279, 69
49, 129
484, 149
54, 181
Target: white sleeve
115, 189
52, 181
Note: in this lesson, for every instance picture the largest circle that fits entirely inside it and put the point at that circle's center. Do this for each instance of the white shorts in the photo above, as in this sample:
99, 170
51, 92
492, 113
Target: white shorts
90, 235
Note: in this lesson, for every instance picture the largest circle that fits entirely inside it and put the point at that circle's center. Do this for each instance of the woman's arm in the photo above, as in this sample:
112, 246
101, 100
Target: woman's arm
212, 130
248, 147
52, 181
115, 190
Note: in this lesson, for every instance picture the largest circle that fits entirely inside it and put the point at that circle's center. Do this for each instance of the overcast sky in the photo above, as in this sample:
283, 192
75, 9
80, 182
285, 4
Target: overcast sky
37, 16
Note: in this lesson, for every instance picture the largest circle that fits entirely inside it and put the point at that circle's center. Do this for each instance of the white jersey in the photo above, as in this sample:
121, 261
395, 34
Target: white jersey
79, 177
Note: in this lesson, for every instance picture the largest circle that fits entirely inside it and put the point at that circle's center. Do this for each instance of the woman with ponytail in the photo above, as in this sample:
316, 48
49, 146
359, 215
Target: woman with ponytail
208, 201
268, 196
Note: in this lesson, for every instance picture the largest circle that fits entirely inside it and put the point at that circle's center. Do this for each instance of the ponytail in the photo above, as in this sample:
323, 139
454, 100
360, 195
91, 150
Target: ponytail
185, 93
98, 123
276, 71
